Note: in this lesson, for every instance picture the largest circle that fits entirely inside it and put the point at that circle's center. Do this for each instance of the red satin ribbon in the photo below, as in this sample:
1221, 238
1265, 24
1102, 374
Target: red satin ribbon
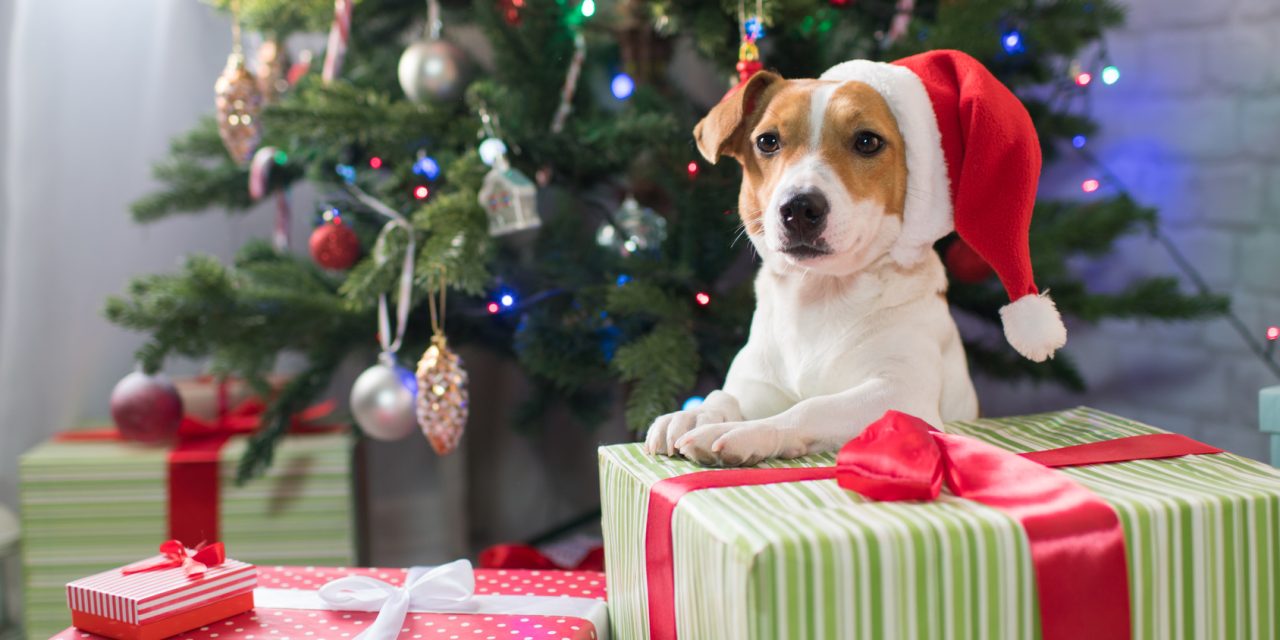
244, 418
1077, 544
175, 554
193, 465
523, 556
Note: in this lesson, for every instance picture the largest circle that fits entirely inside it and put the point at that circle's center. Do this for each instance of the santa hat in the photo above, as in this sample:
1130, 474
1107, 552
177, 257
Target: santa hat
973, 162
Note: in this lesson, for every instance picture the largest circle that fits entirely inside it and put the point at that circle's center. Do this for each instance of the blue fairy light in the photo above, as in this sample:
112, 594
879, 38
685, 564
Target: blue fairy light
427, 167
507, 300
408, 379
1078, 141
623, 279
491, 149
609, 338
348, 172
1110, 74
1011, 41
754, 29
693, 402
622, 86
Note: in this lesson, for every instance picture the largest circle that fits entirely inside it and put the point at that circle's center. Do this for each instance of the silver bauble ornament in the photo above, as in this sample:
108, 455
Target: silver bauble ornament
634, 229
434, 70
382, 401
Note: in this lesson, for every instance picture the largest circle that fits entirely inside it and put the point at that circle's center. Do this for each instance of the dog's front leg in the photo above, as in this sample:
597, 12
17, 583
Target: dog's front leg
745, 395
717, 408
818, 424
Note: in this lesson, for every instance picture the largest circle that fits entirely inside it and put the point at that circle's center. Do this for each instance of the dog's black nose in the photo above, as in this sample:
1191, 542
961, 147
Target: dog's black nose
805, 214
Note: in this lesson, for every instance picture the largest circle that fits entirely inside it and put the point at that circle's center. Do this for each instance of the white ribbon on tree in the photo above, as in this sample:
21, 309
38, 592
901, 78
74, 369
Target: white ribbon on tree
390, 345
448, 588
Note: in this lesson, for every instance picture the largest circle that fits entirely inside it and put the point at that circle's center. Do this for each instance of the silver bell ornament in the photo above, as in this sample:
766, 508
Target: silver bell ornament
383, 401
434, 69
633, 229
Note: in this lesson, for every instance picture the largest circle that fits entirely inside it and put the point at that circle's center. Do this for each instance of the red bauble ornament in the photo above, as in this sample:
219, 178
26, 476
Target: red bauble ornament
964, 264
748, 68
146, 408
510, 10
334, 245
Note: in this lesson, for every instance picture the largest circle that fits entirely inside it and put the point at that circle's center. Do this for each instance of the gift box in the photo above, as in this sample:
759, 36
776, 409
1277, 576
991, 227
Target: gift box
1269, 419
180, 590
9, 571
1195, 550
518, 590
90, 502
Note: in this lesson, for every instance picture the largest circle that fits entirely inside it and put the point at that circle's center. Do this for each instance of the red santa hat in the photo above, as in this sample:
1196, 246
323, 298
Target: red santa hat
973, 162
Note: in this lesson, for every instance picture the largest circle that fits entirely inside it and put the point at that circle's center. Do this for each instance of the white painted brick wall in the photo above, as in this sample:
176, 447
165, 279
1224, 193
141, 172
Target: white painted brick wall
1193, 128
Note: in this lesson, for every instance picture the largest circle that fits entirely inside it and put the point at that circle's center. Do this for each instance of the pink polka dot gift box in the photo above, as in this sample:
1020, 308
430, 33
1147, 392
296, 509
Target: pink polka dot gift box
448, 602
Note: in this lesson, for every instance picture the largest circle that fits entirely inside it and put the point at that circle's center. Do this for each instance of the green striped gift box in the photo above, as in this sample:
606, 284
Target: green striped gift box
811, 560
89, 506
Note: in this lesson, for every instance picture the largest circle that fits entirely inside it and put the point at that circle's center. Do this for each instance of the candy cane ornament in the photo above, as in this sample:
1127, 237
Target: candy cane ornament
339, 36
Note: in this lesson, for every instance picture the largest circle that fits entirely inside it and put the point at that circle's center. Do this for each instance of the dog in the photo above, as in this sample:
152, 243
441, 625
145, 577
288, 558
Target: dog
843, 330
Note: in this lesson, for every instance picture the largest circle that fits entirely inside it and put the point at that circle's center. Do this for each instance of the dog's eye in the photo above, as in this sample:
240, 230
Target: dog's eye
768, 142
867, 143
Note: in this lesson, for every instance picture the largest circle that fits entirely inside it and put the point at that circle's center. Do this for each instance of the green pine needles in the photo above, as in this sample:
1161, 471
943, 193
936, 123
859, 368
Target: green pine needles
588, 325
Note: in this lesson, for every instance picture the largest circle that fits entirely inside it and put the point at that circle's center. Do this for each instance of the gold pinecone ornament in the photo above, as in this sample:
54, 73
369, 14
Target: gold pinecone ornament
442, 395
273, 70
239, 104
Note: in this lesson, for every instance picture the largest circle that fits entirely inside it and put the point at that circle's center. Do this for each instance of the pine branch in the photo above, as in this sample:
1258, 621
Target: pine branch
197, 175
1005, 364
296, 395
660, 366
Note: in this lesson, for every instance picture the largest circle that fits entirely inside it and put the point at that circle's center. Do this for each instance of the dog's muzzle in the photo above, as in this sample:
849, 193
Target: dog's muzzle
804, 217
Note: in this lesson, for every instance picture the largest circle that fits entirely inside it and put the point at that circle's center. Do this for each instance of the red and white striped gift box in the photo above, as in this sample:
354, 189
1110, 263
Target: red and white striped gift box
160, 603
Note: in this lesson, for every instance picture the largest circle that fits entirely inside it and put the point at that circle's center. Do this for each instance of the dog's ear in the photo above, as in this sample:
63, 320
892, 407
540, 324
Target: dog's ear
719, 133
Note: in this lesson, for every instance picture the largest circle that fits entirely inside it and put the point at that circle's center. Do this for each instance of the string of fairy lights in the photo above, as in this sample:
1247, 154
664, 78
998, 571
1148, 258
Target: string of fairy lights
1079, 79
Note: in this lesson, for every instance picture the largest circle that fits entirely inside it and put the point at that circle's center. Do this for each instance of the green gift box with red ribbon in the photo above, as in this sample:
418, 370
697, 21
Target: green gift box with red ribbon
1073, 524
90, 501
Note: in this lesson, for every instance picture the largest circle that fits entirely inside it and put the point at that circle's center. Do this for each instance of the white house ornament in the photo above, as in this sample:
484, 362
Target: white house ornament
442, 396
239, 104
510, 199
633, 229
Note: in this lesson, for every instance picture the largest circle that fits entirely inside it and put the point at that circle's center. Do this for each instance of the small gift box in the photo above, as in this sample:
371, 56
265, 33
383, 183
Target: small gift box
90, 501
179, 590
449, 601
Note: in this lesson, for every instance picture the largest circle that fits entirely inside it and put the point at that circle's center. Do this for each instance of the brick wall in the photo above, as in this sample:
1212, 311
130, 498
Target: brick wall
1192, 128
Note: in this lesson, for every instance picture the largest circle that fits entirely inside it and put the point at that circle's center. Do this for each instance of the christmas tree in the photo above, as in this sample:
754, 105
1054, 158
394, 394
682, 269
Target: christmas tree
629, 281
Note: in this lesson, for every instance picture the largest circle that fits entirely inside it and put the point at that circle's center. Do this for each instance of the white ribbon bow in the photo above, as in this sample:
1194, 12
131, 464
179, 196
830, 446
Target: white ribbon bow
448, 588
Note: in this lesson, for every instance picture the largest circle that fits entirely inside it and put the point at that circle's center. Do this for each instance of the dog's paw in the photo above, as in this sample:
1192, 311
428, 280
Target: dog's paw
734, 444
664, 431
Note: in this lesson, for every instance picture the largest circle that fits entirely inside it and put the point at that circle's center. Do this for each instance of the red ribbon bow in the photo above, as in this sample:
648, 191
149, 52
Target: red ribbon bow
174, 554
1077, 544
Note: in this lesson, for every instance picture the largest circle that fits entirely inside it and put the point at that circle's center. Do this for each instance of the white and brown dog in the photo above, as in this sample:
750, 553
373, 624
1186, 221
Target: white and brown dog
844, 190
